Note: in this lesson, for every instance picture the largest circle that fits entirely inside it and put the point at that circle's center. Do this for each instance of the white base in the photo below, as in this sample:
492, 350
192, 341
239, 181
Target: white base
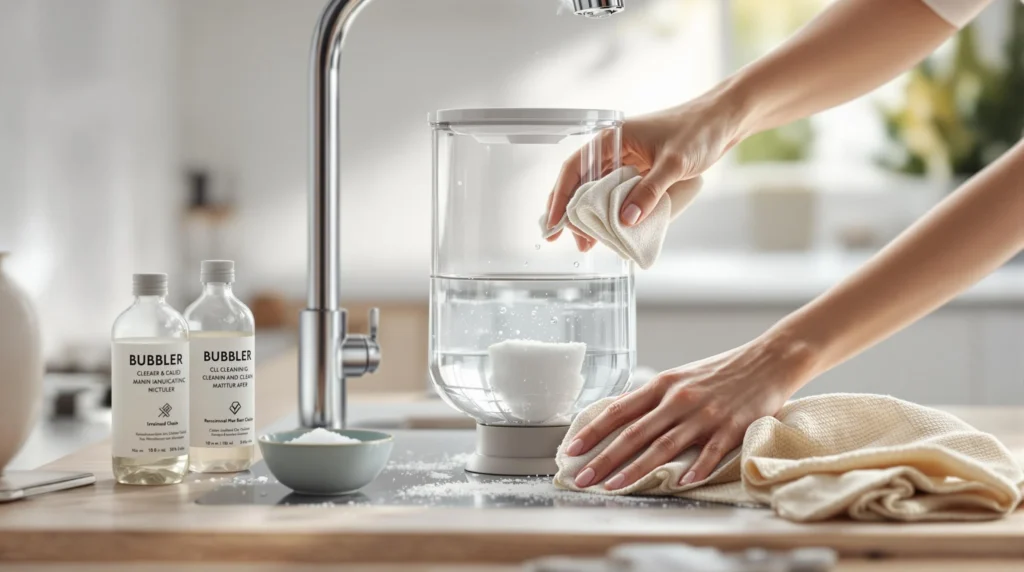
516, 451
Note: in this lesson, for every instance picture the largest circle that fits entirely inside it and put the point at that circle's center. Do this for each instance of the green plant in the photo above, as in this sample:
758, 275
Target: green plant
958, 116
791, 142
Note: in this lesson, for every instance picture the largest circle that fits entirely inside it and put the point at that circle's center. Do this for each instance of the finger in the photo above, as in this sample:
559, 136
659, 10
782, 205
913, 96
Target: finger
604, 149
566, 184
633, 439
682, 194
662, 450
547, 209
717, 447
623, 410
646, 194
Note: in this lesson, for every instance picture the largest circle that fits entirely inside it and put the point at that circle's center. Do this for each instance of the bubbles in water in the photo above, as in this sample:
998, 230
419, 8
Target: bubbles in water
576, 264
536, 246
554, 320
502, 310
533, 313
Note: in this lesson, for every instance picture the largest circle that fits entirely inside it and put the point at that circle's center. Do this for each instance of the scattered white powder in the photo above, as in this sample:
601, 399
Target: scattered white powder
531, 489
321, 436
248, 480
439, 475
445, 464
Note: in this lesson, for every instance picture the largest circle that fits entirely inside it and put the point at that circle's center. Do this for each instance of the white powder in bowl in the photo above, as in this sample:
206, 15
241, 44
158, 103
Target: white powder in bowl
320, 436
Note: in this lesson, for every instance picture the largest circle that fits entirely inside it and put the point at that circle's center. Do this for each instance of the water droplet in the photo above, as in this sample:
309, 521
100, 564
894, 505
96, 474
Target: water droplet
576, 264
501, 332
517, 332
554, 320
536, 246
533, 313
502, 310
459, 183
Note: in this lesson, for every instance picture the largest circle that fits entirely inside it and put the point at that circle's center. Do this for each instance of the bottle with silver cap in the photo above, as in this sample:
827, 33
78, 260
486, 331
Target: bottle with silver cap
223, 393
149, 386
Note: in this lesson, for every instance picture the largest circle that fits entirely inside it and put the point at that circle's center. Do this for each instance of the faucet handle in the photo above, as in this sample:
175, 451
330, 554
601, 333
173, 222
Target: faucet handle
374, 323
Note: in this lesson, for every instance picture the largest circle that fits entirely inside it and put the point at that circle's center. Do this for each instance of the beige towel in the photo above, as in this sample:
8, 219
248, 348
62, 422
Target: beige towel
594, 209
870, 457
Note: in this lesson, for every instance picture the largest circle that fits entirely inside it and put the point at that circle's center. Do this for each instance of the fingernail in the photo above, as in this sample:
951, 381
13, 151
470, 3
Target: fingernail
583, 479
615, 482
575, 448
630, 215
687, 478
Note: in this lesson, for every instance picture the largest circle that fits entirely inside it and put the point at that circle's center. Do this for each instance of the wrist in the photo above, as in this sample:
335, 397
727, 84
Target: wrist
734, 100
798, 356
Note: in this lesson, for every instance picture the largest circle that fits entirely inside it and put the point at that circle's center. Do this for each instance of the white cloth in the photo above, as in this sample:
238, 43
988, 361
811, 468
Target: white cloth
957, 12
594, 209
869, 457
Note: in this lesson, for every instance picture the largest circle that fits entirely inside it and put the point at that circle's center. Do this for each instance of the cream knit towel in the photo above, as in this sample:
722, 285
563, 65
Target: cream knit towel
870, 457
594, 209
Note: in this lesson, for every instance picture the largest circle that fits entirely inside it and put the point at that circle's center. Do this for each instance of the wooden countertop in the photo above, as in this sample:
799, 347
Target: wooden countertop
114, 523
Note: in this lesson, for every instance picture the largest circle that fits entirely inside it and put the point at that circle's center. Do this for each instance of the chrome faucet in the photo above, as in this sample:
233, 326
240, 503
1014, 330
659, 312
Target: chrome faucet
327, 352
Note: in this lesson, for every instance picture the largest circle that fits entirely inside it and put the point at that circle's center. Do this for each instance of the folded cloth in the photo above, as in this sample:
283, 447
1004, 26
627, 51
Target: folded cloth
594, 209
869, 457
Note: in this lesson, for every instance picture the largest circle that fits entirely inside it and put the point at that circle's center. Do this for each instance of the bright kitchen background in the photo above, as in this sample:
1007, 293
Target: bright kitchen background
145, 135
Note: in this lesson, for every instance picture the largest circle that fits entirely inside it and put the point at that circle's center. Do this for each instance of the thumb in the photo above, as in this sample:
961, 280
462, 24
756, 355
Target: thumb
646, 194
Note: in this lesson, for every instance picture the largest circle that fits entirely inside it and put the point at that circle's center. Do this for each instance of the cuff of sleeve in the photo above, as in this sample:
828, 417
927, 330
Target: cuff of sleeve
957, 12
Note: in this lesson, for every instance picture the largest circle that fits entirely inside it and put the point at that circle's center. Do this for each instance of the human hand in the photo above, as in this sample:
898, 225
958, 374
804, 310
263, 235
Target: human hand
709, 403
671, 148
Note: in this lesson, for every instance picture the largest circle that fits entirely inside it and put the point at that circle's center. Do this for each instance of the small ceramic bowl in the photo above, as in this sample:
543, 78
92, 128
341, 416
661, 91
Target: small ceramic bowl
326, 469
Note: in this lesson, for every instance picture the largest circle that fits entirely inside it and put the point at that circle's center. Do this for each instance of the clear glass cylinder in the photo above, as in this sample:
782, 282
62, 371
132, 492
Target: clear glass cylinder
512, 314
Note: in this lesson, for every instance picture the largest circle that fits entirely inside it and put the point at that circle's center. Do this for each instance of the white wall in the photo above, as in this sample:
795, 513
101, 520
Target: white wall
244, 102
87, 155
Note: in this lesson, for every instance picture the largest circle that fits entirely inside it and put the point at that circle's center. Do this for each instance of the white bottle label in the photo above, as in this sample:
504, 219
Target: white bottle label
223, 391
149, 398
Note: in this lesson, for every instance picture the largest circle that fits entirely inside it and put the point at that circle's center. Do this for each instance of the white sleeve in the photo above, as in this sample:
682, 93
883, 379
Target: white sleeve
957, 12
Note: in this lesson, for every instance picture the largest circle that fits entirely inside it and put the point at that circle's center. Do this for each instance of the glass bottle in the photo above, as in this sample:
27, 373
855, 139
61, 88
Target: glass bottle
223, 374
149, 386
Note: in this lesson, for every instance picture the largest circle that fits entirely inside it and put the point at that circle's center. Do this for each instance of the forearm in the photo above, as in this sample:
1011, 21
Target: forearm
850, 49
970, 234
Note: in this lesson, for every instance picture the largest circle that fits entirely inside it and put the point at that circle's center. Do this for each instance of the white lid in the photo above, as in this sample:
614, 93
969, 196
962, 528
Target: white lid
524, 116
149, 284
217, 271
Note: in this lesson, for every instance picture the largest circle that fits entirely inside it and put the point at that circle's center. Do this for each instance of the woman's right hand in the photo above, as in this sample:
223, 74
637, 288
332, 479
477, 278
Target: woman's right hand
670, 148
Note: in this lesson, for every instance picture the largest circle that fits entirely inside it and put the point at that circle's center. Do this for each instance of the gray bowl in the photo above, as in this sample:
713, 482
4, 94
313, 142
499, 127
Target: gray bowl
326, 469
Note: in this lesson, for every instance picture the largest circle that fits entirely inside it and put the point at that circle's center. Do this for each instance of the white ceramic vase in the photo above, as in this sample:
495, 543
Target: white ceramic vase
21, 367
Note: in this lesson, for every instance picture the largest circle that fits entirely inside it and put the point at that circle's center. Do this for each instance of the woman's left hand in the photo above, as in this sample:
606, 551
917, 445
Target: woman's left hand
709, 403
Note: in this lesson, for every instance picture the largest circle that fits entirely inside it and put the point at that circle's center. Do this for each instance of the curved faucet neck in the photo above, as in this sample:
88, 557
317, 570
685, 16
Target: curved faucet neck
324, 147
